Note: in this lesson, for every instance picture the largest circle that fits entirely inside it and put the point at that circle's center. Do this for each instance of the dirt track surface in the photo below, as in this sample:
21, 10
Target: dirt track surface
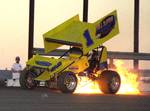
42, 99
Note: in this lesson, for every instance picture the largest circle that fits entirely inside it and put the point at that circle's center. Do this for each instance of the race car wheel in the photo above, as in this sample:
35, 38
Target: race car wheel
67, 82
26, 79
109, 82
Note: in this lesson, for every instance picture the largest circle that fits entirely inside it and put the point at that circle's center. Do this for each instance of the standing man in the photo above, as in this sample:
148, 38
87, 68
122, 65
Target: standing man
16, 69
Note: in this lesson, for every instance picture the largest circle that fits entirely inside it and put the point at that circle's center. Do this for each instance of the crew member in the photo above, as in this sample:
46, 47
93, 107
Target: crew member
16, 69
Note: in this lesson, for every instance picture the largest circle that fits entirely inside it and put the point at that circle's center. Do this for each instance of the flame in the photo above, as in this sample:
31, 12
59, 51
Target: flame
87, 86
129, 83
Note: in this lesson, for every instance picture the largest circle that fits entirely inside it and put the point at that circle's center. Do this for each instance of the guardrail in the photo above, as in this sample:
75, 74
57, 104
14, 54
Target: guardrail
7, 74
111, 54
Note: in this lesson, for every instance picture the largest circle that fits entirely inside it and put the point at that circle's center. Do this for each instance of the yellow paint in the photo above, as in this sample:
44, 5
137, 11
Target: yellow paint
103, 57
80, 64
44, 76
73, 30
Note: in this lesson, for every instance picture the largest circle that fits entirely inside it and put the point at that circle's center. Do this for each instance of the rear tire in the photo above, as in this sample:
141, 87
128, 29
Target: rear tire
109, 82
67, 82
27, 80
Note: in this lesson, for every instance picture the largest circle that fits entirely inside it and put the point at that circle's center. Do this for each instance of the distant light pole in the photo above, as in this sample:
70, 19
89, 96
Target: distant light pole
136, 31
31, 29
85, 10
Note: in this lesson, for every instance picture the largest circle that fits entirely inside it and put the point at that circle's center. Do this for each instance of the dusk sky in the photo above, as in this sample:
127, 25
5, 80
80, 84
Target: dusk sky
50, 13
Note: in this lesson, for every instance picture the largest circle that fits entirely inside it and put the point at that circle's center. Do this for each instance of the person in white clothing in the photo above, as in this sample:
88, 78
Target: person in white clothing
16, 69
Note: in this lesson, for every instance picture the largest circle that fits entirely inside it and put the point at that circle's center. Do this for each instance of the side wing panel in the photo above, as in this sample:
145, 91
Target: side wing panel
101, 31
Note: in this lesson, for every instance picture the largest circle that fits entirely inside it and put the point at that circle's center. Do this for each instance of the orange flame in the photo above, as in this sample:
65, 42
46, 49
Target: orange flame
129, 84
87, 86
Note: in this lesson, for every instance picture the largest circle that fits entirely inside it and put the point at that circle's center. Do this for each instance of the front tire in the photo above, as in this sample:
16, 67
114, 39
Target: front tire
109, 82
67, 82
27, 80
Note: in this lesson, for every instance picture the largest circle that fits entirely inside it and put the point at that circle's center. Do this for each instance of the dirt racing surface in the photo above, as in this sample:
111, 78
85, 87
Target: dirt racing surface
43, 99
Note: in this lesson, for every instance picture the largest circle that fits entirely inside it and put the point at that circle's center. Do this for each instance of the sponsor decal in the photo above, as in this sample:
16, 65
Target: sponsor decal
102, 29
87, 36
105, 27
43, 63
56, 66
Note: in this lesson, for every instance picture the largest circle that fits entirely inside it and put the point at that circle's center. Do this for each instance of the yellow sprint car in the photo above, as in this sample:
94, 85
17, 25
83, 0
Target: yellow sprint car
86, 56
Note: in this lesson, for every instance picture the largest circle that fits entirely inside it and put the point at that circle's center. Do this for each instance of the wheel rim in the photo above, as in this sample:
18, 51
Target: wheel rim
29, 81
115, 83
70, 82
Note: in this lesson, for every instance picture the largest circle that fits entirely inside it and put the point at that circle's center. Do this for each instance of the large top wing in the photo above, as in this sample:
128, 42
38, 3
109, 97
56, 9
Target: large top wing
68, 33
81, 34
